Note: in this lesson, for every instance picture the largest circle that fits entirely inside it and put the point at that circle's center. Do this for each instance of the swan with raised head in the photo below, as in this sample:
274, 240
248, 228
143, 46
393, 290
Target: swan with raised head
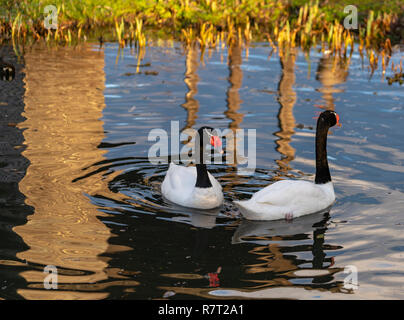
288, 199
194, 187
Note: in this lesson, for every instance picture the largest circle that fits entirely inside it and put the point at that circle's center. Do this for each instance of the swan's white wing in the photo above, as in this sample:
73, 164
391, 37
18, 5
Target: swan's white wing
184, 178
181, 178
285, 192
287, 197
179, 187
178, 183
215, 184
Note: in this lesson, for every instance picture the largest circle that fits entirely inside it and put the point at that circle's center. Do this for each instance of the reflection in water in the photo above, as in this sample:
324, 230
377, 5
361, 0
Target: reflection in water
235, 80
331, 71
166, 240
64, 101
101, 219
280, 255
13, 166
286, 120
233, 102
191, 80
280, 259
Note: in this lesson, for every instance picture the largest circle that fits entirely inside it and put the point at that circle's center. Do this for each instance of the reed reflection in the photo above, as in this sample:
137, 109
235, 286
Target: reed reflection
286, 120
191, 80
235, 79
233, 102
64, 102
331, 71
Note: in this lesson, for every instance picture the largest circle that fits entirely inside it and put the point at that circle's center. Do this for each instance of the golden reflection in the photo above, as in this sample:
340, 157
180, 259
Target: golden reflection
235, 79
63, 104
191, 80
233, 101
272, 259
287, 100
277, 257
331, 71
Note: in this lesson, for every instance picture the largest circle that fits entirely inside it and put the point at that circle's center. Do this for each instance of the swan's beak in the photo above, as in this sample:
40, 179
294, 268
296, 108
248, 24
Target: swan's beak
338, 123
215, 141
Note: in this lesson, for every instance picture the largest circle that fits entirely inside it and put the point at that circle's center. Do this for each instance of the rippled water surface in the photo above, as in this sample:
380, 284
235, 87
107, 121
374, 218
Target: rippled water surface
78, 192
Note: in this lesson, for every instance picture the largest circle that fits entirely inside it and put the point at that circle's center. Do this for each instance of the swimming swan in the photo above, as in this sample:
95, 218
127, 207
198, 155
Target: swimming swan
294, 198
194, 187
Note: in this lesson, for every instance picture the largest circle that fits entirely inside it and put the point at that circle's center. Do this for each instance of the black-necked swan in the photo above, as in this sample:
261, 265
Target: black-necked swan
194, 187
294, 198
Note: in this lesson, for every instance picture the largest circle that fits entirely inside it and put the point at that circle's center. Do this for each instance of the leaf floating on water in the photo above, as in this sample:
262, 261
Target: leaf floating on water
186, 276
140, 65
168, 294
338, 221
302, 126
113, 145
128, 74
151, 73
147, 73
268, 91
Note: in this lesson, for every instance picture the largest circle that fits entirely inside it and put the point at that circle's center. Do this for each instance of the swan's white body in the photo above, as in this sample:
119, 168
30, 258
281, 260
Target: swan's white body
179, 187
287, 198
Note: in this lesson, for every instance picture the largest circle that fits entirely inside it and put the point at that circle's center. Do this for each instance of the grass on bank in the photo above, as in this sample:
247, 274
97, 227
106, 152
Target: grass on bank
248, 18
210, 23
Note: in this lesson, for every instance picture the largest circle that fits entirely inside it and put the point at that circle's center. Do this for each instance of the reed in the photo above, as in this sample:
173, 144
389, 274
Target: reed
120, 29
209, 23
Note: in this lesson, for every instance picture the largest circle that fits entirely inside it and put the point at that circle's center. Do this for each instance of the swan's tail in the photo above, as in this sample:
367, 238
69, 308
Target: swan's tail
253, 211
244, 210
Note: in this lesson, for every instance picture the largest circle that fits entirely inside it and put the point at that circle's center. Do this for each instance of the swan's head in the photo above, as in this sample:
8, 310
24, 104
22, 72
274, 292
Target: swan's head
209, 134
330, 118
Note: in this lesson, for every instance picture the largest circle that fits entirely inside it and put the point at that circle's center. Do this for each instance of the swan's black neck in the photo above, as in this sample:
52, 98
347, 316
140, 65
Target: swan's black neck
202, 177
322, 170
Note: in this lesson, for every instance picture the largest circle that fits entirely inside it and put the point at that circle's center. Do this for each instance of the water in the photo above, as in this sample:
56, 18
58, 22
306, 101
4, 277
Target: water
79, 193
